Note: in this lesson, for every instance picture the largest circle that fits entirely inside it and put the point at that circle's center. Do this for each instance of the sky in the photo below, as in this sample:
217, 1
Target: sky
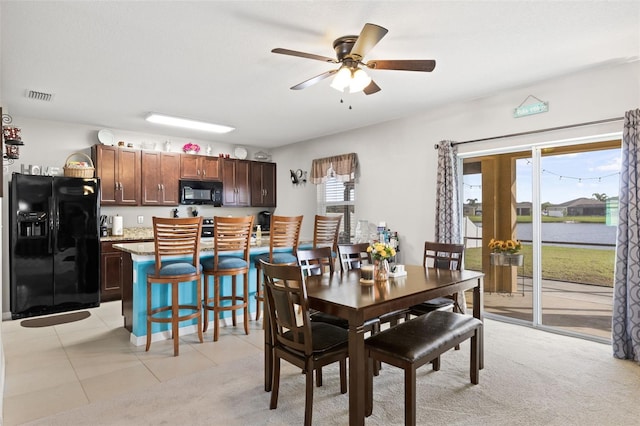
564, 177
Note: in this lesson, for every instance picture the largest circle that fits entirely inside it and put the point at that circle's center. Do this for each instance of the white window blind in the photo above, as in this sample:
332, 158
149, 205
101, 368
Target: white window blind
335, 197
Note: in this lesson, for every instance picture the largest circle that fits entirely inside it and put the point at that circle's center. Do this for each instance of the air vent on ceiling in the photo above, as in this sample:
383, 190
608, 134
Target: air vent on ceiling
39, 96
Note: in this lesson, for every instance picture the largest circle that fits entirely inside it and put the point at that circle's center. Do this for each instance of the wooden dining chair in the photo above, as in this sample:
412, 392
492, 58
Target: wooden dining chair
284, 233
175, 237
307, 345
352, 256
316, 261
440, 256
231, 239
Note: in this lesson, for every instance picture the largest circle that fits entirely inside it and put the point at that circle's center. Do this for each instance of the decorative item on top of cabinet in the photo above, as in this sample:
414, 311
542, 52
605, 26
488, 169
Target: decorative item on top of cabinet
235, 180
263, 184
160, 176
119, 171
199, 167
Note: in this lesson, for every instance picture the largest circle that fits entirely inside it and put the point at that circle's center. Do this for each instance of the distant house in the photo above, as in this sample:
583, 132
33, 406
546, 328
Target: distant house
578, 207
523, 208
472, 209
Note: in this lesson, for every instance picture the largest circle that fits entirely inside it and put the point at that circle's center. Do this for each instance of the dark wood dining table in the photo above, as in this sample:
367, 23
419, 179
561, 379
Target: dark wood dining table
343, 295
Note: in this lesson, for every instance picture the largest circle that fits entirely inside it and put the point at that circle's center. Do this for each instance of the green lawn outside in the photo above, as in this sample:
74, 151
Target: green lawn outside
580, 265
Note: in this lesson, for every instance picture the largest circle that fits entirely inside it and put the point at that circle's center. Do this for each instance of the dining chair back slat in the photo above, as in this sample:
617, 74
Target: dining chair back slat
316, 261
353, 256
443, 255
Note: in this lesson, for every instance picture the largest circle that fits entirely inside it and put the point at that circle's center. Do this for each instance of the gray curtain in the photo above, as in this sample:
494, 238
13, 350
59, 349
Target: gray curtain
625, 328
447, 201
447, 195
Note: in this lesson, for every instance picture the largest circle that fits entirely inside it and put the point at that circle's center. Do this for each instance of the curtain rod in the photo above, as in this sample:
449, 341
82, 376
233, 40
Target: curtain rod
531, 132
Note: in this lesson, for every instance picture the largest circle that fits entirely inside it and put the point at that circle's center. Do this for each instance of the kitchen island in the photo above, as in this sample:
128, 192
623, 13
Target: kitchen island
134, 299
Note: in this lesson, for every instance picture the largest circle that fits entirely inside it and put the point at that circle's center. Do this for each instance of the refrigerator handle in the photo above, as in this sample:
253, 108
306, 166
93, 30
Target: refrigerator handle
51, 224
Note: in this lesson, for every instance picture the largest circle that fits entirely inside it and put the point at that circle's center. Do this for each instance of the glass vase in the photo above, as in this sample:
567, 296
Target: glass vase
381, 270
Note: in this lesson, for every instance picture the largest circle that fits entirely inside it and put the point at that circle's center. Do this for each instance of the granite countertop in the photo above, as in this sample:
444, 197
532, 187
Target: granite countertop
131, 234
206, 245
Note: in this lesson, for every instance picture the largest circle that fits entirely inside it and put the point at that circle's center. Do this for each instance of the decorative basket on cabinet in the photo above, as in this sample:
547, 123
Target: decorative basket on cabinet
81, 169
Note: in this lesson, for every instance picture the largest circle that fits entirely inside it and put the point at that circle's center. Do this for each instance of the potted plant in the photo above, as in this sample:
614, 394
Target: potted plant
506, 252
381, 253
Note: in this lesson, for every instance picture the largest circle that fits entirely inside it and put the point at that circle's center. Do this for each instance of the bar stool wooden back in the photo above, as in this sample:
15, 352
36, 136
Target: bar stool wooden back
284, 232
231, 237
326, 230
175, 237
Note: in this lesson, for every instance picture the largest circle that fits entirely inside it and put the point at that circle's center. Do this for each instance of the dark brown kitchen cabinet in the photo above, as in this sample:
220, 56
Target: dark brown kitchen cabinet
119, 172
160, 174
199, 167
235, 181
263, 184
115, 272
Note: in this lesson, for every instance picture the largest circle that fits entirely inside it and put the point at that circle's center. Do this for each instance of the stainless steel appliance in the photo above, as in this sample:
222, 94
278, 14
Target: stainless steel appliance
207, 228
54, 251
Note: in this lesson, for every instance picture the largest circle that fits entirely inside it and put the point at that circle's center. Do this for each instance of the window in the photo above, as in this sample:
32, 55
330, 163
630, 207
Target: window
336, 197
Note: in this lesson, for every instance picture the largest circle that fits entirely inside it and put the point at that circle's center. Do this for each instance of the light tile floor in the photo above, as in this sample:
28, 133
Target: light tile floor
58, 368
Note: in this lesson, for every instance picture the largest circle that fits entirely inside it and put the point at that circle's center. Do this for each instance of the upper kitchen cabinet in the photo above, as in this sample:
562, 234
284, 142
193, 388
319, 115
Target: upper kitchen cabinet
119, 172
263, 184
235, 181
160, 175
199, 167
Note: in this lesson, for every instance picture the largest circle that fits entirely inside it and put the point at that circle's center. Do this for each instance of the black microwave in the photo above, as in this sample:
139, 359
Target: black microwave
201, 192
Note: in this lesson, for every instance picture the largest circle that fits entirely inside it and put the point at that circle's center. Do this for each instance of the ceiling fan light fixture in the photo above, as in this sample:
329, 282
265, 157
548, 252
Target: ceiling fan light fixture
359, 81
342, 79
168, 120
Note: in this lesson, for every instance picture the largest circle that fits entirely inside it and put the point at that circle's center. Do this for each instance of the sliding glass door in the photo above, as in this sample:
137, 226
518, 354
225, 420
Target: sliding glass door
560, 202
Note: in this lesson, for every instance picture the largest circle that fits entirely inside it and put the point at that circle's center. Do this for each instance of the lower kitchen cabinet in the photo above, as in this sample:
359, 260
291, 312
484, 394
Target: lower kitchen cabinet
115, 270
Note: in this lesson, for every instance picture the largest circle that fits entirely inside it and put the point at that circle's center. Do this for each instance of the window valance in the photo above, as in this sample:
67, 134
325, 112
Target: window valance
342, 167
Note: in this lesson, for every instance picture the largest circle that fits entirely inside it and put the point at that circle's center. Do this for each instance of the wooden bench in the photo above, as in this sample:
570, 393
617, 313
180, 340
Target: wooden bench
419, 341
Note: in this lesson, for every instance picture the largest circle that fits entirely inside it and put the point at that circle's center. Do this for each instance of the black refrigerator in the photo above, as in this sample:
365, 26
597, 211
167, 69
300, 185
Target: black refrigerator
54, 244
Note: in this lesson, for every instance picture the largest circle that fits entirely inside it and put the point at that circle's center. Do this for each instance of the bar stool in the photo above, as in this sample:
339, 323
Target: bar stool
230, 234
326, 230
175, 237
284, 232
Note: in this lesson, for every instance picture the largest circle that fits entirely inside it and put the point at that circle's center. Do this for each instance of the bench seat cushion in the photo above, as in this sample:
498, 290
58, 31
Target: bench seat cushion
423, 336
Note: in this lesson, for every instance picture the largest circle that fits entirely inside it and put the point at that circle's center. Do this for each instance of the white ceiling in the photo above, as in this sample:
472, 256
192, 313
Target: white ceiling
110, 63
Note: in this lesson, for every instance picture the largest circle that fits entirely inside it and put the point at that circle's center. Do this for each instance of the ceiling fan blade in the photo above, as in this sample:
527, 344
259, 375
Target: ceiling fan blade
371, 88
370, 35
313, 80
304, 55
426, 65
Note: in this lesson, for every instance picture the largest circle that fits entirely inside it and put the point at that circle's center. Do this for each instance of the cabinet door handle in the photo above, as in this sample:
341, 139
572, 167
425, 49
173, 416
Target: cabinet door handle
198, 172
159, 189
162, 187
204, 173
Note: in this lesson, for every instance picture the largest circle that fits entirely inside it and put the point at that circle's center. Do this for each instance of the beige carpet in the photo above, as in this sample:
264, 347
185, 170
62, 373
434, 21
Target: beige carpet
530, 378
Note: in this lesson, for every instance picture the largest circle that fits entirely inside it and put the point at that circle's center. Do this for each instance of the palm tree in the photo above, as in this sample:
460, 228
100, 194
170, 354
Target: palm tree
600, 197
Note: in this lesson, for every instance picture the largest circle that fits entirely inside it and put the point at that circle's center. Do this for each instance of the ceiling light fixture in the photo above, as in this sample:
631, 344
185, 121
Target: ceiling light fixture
353, 78
187, 123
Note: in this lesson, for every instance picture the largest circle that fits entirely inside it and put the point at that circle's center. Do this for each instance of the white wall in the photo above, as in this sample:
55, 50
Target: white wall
398, 160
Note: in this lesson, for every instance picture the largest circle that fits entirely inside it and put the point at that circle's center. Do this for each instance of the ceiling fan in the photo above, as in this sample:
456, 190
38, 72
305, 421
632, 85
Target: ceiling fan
350, 52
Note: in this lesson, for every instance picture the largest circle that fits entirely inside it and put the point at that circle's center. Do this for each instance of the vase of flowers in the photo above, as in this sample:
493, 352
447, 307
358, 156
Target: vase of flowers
191, 148
381, 253
505, 252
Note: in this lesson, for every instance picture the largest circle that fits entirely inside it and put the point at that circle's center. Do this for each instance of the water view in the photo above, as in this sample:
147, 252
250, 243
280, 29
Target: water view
587, 233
